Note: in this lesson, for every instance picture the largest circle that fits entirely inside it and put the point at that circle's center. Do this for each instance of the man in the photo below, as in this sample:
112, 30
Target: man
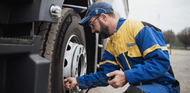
138, 48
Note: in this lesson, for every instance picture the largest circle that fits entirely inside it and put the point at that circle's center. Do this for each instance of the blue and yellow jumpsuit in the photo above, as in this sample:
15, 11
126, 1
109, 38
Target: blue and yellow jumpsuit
139, 49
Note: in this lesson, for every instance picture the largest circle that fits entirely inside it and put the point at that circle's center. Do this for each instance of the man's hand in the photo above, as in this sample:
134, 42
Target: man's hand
119, 80
70, 82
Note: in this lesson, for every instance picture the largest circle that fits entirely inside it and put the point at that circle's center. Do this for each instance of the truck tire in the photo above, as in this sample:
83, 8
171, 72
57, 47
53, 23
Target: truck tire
64, 45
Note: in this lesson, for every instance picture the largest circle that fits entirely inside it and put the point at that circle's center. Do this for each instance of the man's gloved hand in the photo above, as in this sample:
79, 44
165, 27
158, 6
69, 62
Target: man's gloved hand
119, 80
70, 82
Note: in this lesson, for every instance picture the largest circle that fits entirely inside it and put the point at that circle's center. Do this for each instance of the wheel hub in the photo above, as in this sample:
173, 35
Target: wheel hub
75, 59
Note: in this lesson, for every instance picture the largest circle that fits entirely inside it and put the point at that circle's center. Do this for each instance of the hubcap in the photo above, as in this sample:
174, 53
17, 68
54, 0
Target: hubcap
75, 59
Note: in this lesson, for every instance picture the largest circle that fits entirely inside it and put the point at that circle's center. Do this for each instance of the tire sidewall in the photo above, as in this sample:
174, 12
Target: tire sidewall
72, 28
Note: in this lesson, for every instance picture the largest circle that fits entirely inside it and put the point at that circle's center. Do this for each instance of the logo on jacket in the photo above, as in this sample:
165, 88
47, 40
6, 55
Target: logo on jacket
131, 44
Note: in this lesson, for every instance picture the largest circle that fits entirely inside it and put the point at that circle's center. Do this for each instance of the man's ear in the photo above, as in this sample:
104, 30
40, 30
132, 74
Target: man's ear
103, 17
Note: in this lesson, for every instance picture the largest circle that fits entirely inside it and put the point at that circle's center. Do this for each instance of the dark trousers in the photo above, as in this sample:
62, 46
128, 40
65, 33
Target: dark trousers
153, 88
134, 89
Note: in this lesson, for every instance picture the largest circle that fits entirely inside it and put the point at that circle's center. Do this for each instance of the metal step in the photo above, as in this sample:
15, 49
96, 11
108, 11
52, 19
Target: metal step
8, 40
100, 46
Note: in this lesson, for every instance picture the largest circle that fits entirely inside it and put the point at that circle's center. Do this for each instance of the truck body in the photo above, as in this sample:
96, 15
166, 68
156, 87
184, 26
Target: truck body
41, 43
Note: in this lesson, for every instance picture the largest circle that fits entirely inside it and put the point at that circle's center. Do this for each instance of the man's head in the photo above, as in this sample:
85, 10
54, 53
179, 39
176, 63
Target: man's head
99, 17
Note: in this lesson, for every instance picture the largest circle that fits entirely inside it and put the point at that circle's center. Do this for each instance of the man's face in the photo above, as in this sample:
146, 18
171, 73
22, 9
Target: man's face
98, 26
104, 32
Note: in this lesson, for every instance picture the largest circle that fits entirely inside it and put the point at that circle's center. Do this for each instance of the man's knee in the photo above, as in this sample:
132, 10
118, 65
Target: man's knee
134, 89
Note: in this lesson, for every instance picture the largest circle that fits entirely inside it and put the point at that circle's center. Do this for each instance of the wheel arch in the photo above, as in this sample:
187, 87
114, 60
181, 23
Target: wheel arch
83, 3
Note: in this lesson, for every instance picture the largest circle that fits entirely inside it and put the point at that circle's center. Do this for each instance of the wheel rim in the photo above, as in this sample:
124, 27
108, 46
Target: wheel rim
75, 59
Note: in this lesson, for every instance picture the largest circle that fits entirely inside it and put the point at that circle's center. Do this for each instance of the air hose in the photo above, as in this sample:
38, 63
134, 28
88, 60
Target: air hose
109, 78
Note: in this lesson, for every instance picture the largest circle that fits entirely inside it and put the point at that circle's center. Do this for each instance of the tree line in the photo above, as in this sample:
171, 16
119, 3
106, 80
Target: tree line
181, 39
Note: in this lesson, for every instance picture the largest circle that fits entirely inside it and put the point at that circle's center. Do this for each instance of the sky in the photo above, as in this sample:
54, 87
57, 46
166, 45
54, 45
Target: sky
166, 14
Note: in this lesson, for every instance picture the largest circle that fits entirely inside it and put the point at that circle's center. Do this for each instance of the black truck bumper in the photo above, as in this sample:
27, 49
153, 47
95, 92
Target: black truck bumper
22, 70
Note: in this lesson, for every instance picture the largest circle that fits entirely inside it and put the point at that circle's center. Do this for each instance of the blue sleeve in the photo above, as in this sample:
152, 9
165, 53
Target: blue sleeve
156, 62
107, 64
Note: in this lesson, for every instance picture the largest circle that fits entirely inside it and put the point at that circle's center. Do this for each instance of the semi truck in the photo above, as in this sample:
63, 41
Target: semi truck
41, 43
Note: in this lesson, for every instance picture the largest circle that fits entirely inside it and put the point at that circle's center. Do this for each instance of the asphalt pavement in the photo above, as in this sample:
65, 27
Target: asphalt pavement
180, 62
